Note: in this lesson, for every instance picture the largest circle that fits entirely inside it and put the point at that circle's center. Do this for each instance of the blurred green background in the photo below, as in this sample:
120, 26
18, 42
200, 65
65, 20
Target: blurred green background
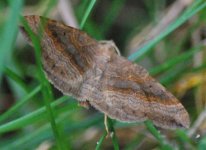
167, 37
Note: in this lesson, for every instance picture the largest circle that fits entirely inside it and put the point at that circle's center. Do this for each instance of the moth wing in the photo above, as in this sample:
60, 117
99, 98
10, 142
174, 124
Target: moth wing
129, 94
67, 53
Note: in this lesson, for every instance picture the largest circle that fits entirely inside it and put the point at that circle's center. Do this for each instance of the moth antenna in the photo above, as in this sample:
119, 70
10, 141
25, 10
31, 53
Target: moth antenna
111, 45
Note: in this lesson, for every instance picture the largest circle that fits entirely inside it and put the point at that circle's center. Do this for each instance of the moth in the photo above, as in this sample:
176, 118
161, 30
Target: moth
96, 75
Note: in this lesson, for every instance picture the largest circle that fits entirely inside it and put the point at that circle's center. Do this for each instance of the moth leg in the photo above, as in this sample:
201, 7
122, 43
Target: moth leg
106, 123
84, 104
110, 45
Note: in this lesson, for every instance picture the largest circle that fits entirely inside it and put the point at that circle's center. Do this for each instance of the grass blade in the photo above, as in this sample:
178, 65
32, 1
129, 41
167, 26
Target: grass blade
88, 11
44, 133
157, 135
99, 143
46, 89
9, 32
113, 134
29, 118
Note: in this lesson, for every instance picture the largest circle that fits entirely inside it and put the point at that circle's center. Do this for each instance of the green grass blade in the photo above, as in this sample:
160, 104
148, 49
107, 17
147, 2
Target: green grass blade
29, 118
9, 32
182, 135
44, 133
195, 4
99, 143
110, 126
115, 141
157, 135
154, 131
112, 133
88, 11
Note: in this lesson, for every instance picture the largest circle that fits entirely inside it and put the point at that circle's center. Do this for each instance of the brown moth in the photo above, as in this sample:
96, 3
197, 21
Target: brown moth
95, 74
